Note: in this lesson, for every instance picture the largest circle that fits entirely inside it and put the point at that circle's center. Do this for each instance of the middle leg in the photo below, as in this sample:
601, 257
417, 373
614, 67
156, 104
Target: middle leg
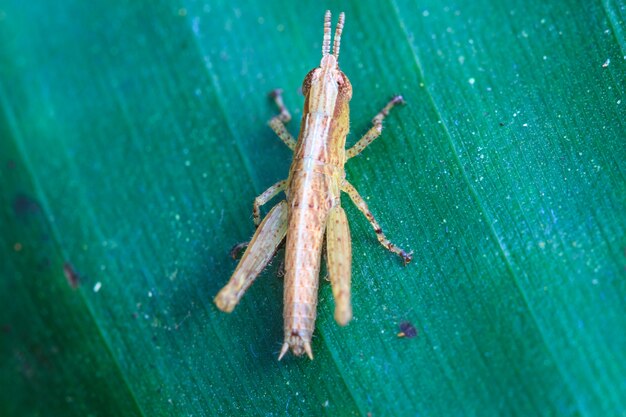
266, 196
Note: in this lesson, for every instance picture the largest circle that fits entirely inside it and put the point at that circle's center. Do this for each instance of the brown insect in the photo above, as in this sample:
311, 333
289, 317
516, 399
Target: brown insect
312, 209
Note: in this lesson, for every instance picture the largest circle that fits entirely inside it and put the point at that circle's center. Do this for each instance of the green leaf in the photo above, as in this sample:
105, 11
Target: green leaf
133, 141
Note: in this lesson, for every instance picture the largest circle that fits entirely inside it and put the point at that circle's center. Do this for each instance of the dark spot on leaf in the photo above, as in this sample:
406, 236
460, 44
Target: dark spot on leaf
24, 205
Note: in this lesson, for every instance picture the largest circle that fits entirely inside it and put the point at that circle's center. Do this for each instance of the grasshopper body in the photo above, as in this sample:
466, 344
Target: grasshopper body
313, 206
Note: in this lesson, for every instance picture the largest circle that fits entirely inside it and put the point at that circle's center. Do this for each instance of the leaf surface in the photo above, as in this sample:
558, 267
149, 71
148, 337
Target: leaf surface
133, 142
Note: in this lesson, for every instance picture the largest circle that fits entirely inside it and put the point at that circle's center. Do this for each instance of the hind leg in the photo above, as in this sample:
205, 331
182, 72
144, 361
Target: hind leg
362, 206
339, 250
259, 253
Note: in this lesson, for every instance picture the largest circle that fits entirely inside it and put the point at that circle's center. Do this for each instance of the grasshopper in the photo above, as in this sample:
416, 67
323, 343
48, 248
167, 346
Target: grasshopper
312, 209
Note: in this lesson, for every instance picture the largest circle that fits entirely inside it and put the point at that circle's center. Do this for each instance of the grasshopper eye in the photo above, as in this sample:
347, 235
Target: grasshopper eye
306, 84
345, 87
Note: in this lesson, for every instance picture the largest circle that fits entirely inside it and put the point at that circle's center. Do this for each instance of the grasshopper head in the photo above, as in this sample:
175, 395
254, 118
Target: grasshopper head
328, 73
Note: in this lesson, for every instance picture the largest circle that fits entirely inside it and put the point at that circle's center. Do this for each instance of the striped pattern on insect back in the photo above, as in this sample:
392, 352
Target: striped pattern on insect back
309, 203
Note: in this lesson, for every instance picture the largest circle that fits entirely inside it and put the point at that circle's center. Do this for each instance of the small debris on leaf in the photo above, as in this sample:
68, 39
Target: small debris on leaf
407, 330
71, 275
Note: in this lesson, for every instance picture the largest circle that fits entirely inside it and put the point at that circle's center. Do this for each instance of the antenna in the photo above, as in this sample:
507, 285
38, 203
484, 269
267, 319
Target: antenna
326, 43
338, 30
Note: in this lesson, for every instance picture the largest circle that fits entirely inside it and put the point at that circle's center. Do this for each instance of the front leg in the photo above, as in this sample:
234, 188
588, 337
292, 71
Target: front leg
375, 131
362, 206
277, 123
